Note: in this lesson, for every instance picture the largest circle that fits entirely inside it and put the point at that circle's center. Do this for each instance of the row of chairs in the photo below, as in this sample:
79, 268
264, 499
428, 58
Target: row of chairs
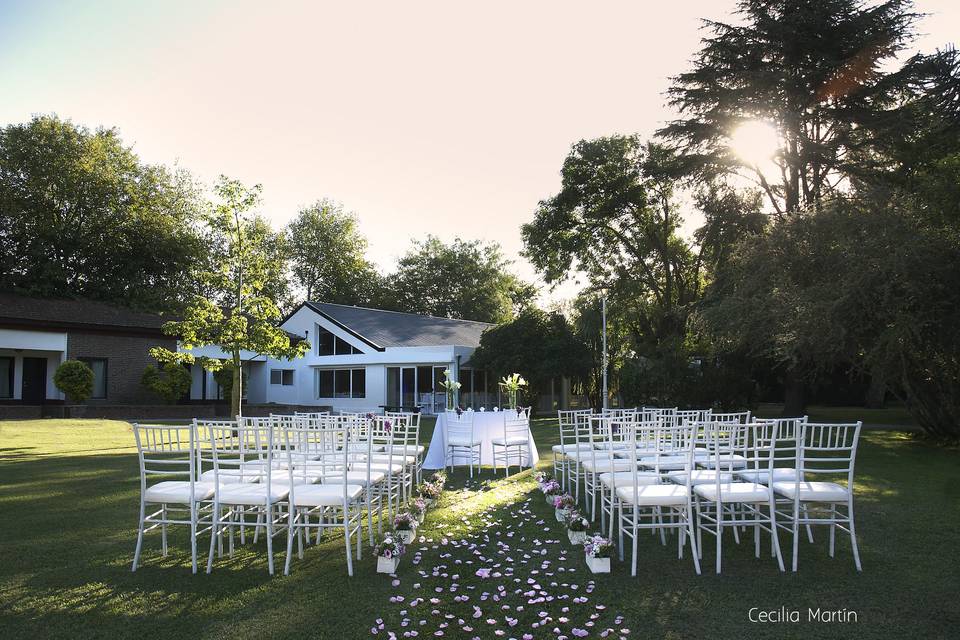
300, 474
707, 473
462, 444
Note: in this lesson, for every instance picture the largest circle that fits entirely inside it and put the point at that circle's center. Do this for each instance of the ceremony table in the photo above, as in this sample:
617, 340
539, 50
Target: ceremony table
487, 425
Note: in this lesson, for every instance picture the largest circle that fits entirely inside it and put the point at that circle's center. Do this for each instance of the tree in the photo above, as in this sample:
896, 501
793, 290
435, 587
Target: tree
75, 379
539, 346
170, 381
81, 215
236, 313
465, 279
327, 256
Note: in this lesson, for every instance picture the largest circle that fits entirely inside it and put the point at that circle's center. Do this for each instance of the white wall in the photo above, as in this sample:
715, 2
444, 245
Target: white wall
18, 344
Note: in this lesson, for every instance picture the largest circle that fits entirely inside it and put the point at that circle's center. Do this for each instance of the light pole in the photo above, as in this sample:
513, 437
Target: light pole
604, 313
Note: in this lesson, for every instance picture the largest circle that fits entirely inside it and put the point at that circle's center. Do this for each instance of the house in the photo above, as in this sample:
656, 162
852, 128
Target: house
37, 334
364, 359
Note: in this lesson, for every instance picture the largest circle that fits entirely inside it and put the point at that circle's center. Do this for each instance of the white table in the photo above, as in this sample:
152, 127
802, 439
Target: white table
487, 425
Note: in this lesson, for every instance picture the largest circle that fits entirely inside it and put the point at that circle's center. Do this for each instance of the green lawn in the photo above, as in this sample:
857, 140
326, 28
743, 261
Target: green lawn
68, 502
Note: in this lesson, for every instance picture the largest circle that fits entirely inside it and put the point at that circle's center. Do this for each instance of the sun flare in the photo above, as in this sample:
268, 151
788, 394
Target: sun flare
755, 142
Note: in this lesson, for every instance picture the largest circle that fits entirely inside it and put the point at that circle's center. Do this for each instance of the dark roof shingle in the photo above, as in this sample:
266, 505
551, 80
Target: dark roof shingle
68, 312
396, 329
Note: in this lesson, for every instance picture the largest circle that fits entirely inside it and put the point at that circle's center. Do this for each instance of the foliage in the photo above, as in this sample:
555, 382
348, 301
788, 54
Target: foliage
465, 279
237, 313
75, 379
389, 547
171, 381
404, 521
223, 376
539, 345
598, 547
327, 256
81, 215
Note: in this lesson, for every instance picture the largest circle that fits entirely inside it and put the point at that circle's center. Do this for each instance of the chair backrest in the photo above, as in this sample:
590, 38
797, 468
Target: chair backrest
242, 450
516, 422
459, 426
167, 452
722, 441
743, 417
320, 450
570, 424
828, 449
725, 439
669, 441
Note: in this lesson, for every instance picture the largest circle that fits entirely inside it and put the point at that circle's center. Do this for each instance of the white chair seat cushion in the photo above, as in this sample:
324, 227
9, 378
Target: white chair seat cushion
813, 491
252, 494
570, 448
584, 453
654, 495
300, 476
178, 492
734, 492
605, 464
230, 476
699, 476
512, 441
324, 495
603, 446
409, 449
395, 458
358, 477
625, 478
384, 467
726, 461
463, 441
666, 463
763, 475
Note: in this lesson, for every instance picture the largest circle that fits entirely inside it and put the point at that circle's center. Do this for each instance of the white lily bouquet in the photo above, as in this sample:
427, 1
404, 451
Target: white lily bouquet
451, 386
511, 386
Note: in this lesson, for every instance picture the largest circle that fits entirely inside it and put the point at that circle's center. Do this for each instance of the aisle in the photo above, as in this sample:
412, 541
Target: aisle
492, 562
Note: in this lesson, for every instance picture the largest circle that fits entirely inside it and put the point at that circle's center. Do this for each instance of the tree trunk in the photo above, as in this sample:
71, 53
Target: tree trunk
876, 392
237, 391
794, 394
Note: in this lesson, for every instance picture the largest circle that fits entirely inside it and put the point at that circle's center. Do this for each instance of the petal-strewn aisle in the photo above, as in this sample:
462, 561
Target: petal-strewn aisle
493, 562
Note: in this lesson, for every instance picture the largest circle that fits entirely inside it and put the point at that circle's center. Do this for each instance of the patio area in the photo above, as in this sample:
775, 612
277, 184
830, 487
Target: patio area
69, 494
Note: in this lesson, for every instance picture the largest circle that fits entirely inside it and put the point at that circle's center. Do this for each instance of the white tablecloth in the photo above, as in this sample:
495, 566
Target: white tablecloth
487, 425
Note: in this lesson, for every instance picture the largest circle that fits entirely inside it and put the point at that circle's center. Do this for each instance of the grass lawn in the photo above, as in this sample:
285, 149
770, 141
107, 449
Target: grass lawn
69, 497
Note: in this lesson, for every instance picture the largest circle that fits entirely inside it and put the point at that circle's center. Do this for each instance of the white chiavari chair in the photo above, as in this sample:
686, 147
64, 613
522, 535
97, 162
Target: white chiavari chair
725, 503
414, 448
569, 422
607, 436
167, 452
657, 506
827, 452
385, 460
459, 441
515, 443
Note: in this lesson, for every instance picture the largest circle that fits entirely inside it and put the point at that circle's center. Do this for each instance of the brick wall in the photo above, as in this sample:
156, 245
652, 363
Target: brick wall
126, 357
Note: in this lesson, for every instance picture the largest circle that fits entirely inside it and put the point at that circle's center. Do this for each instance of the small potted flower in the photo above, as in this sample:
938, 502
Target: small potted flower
597, 551
563, 505
439, 478
541, 477
388, 554
418, 509
429, 492
577, 528
405, 526
551, 489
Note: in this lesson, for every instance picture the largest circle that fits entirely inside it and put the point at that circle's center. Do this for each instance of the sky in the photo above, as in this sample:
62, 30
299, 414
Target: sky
443, 118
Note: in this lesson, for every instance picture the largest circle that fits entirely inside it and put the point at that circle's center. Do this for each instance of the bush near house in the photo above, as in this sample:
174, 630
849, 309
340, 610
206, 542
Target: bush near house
171, 381
75, 379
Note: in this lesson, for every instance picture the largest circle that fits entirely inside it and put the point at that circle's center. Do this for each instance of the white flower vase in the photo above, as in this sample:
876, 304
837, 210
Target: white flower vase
549, 499
560, 514
387, 565
598, 565
407, 535
577, 537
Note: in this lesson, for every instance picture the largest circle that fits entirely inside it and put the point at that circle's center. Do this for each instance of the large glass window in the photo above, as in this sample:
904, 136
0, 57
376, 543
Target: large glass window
342, 383
99, 367
283, 377
331, 345
6, 377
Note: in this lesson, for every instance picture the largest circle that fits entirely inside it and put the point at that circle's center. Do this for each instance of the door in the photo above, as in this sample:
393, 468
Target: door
408, 390
34, 380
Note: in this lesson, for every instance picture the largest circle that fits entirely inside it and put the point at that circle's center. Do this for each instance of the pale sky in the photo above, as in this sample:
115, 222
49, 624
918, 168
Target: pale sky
421, 117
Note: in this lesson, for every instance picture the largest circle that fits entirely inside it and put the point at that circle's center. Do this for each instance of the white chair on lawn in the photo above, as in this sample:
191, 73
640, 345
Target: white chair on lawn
392, 463
569, 422
826, 451
459, 441
232, 457
334, 502
725, 503
515, 443
606, 437
658, 506
413, 448
164, 453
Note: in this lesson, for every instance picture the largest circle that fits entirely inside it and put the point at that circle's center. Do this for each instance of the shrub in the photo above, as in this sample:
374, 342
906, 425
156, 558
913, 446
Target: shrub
171, 381
75, 379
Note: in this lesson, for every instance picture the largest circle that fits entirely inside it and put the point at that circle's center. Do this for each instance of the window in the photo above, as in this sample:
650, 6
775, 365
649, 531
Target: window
282, 377
331, 345
99, 366
342, 383
6, 377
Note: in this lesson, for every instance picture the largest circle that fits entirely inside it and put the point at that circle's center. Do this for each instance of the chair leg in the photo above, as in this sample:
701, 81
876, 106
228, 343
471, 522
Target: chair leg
796, 537
136, 553
694, 550
193, 537
214, 535
346, 537
853, 535
833, 528
774, 534
163, 530
719, 535
290, 534
269, 517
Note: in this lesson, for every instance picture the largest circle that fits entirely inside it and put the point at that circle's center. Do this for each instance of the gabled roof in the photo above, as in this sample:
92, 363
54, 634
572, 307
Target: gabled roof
381, 329
74, 313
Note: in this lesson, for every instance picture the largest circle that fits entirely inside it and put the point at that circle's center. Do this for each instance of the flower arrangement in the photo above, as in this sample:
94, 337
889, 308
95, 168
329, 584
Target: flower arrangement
511, 385
440, 477
430, 491
597, 552
451, 386
576, 527
418, 508
541, 477
388, 554
404, 521
564, 501
550, 488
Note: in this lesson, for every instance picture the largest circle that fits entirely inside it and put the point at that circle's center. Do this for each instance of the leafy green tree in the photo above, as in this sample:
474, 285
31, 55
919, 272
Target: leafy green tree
327, 256
171, 381
587, 322
465, 279
539, 346
81, 215
237, 312
75, 379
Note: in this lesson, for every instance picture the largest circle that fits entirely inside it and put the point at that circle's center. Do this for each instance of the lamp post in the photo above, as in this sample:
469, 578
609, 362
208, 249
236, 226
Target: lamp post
604, 313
